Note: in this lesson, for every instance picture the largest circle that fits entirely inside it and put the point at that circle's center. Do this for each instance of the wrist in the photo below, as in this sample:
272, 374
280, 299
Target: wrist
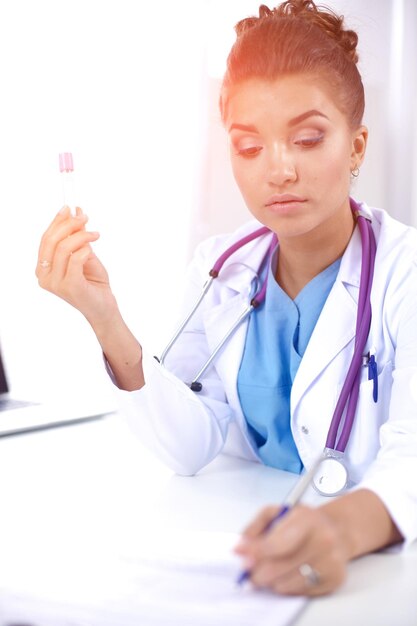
362, 522
334, 512
104, 322
121, 349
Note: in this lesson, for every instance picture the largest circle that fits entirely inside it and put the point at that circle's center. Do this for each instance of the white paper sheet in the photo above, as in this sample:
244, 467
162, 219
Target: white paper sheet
186, 580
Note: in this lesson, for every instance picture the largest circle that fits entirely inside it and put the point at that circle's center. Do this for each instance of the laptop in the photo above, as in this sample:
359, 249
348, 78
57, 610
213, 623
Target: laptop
20, 416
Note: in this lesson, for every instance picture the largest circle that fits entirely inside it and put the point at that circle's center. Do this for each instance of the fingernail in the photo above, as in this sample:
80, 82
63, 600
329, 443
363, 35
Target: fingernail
64, 210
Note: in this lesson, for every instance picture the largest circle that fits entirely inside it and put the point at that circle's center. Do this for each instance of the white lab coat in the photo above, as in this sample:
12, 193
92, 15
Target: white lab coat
187, 430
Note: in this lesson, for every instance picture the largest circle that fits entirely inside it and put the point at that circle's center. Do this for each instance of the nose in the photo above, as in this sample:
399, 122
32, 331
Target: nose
281, 166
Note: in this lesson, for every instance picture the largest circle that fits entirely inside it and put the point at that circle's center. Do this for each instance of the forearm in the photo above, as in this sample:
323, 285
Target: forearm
363, 521
122, 351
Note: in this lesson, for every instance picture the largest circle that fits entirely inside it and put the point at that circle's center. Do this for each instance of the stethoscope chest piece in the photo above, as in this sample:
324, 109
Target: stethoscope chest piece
331, 477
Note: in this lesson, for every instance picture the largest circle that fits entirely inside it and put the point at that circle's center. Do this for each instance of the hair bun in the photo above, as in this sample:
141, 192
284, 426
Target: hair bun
322, 17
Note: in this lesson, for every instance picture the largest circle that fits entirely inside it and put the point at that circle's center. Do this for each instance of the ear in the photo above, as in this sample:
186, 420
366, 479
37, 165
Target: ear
359, 141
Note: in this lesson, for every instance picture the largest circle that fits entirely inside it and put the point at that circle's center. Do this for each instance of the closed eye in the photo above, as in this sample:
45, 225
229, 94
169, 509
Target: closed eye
309, 142
249, 152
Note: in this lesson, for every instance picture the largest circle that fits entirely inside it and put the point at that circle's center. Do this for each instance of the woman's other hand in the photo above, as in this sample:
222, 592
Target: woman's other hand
302, 554
68, 267
307, 551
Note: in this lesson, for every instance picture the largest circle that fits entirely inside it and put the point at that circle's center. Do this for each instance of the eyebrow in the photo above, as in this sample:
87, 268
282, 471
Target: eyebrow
306, 115
293, 122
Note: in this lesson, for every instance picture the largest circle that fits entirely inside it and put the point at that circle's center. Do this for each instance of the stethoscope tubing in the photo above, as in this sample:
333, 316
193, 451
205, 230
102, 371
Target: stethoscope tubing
263, 230
213, 273
220, 345
360, 342
257, 299
185, 321
350, 390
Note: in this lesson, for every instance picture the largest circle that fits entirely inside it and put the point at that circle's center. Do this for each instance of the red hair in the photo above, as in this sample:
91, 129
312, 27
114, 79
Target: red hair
298, 37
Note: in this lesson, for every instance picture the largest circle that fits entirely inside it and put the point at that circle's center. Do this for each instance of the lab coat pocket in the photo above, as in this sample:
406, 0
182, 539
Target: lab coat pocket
364, 441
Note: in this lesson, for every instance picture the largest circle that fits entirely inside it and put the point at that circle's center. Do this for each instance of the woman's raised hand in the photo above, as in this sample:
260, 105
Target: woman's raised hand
68, 267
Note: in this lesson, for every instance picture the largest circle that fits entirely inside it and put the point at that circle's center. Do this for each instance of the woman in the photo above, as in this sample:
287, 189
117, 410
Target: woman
292, 103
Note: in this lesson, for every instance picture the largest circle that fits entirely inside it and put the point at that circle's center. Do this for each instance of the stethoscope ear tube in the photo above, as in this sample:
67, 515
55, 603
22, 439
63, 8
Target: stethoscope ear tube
185, 321
213, 273
197, 386
254, 303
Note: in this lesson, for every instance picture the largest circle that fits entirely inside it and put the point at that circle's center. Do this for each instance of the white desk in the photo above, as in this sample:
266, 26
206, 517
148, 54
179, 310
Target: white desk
93, 484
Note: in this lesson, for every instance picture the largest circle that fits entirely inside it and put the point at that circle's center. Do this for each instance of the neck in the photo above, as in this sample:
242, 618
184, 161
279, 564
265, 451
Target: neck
303, 258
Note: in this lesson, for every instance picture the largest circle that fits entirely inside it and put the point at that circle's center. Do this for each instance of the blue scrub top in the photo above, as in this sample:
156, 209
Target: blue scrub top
277, 337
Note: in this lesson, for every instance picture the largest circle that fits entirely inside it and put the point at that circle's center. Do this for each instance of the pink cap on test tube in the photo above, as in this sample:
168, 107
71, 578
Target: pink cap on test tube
66, 163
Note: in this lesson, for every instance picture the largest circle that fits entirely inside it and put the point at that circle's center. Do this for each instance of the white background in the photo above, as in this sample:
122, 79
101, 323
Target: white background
131, 89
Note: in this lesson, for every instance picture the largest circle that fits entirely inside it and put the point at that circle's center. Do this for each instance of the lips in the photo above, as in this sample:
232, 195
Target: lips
284, 199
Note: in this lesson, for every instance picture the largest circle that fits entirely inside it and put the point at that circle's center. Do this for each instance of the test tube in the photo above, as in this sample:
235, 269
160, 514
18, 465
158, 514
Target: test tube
66, 168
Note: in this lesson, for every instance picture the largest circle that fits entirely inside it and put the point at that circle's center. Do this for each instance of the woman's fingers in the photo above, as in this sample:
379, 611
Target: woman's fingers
59, 218
76, 263
313, 576
281, 542
302, 553
68, 267
258, 525
63, 225
64, 251
284, 537
289, 535
311, 572
66, 248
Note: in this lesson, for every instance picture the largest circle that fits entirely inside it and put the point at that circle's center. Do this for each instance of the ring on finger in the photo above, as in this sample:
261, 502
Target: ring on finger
45, 264
310, 575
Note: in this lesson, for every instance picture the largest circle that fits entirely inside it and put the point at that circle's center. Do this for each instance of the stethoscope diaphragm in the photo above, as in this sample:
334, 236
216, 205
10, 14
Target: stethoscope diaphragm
331, 477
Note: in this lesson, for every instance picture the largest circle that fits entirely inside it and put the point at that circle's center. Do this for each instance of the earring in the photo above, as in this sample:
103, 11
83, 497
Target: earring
355, 172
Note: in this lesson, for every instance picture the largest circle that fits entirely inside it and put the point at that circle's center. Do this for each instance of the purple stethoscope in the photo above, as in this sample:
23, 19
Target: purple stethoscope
331, 477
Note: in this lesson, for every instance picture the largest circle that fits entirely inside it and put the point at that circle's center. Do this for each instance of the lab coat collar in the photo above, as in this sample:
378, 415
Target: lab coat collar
243, 265
242, 268
350, 267
336, 326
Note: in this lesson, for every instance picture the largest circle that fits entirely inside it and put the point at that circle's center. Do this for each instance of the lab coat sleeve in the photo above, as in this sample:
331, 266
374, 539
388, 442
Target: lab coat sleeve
173, 422
393, 473
184, 429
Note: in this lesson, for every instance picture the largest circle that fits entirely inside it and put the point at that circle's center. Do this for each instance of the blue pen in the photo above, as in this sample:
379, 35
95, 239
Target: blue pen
373, 375
290, 501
